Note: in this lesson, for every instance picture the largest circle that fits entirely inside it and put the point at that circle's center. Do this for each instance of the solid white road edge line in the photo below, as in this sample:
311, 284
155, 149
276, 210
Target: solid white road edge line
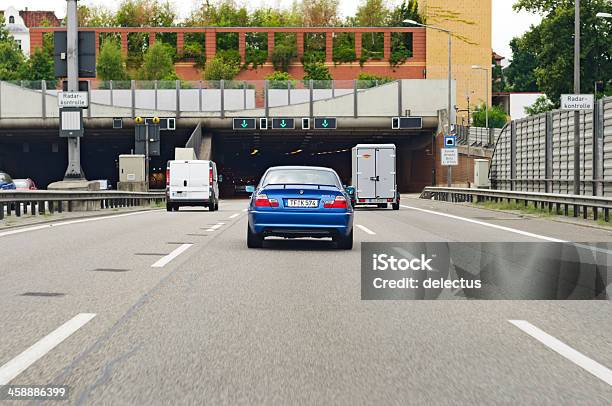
364, 228
66, 223
233, 216
165, 260
20, 363
566, 351
482, 223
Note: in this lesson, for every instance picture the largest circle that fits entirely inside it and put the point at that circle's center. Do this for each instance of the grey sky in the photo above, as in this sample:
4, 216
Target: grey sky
506, 23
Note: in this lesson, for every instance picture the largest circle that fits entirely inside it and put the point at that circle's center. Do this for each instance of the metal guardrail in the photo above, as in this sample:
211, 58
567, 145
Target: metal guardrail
559, 203
41, 201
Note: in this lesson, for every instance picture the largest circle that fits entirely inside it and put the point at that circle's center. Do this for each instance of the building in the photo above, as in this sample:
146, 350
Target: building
18, 24
17, 29
471, 24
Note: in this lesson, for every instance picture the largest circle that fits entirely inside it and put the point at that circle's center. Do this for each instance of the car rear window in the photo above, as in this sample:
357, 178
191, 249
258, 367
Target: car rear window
4, 177
301, 177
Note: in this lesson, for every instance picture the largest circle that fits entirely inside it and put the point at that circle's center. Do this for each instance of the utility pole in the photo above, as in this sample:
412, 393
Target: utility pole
450, 102
74, 170
577, 91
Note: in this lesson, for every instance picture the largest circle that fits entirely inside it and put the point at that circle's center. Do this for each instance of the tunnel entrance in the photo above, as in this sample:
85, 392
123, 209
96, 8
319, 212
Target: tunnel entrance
43, 156
243, 158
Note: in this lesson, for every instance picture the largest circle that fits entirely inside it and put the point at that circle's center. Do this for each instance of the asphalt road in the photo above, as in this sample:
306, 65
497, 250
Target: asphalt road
217, 323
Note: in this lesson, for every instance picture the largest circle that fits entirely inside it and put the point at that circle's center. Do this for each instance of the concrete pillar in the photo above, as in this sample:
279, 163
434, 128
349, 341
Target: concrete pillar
387, 46
151, 39
299, 36
180, 41
358, 45
124, 43
242, 46
210, 44
329, 46
270, 44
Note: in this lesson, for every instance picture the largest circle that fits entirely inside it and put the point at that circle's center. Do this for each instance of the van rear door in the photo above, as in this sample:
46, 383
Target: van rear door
366, 173
385, 173
198, 186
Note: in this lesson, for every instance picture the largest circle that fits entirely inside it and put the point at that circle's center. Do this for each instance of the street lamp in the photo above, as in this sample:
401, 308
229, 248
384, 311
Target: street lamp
486, 70
450, 80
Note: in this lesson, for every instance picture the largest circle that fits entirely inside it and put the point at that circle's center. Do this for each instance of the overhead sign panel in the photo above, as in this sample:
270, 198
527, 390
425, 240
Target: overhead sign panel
577, 102
407, 123
72, 99
283, 124
450, 156
244, 124
325, 123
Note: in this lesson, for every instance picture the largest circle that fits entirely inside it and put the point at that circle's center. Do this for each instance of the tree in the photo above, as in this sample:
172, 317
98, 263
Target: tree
407, 10
95, 16
11, 58
218, 69
541, 105
111, 64
499, 79
157, 63
552, 42
320, 13
282, 56
371, 13
280, 80
520, 73
319, 73
497, 117
39, 66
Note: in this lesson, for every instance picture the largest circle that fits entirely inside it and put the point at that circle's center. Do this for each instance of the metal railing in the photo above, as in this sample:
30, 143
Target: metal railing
558, 203
51, 201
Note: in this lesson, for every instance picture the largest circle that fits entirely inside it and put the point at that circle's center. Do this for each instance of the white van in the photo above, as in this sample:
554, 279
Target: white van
374, 175
192, 183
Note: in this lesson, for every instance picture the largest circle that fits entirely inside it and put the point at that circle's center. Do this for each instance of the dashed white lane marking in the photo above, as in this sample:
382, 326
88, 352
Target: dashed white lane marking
566, 351
216, 226
21, 362
482, 223
66, 223
365, 229
233, 216
165, 260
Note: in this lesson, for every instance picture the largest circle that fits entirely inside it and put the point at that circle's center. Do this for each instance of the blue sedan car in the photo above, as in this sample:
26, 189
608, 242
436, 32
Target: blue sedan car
300, 201
6, 182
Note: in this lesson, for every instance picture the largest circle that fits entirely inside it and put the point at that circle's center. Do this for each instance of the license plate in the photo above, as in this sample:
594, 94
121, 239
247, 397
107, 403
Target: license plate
302, 203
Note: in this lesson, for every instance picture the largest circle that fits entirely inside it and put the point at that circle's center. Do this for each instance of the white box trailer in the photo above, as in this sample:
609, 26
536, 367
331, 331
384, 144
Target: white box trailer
192, 183
374, 175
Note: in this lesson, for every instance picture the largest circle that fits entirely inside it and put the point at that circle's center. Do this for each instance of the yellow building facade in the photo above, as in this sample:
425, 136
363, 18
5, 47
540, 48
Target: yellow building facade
471, 24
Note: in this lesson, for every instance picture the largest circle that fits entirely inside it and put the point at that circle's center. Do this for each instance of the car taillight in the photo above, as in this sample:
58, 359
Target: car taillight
167, 176
338, 203
263, 201
361, 200
389, 200
210, 177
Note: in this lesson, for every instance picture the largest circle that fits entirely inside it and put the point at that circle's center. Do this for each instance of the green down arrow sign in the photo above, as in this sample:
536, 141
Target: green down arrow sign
244, 124
325, 124
283, 124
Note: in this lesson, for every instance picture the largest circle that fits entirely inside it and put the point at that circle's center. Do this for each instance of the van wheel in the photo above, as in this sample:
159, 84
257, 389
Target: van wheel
254, 240
396, 206
168, 207
345, 243
217, 205
211, 206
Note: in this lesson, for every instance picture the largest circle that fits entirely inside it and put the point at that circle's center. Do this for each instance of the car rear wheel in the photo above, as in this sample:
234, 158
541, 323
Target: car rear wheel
345, 243
396, 206
254, 240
